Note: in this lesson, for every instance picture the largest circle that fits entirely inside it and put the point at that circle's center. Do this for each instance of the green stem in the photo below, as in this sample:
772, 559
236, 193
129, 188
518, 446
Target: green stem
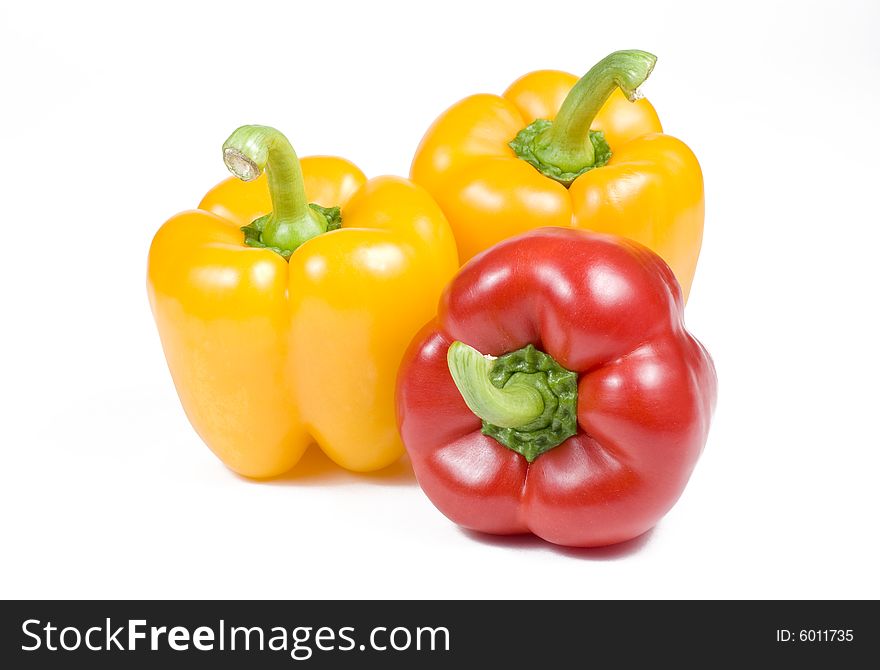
509, 407
247, 153
527, 401
566, 143
566, 148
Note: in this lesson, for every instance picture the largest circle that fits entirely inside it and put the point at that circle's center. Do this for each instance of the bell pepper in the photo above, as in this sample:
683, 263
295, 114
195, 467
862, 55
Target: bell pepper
284, 322
557, 151
557, 391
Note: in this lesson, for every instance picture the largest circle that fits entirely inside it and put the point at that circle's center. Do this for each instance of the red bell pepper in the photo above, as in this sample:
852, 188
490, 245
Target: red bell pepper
587, 426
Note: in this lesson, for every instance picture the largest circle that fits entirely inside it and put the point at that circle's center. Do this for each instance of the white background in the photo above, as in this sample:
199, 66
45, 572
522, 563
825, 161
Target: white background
112, 120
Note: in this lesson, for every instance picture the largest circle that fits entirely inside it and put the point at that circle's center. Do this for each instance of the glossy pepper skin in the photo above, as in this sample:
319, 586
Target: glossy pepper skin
651, 189
269, 355
607, 309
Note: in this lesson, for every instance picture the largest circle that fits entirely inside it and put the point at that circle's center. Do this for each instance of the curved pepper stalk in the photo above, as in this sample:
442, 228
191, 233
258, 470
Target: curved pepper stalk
293, 221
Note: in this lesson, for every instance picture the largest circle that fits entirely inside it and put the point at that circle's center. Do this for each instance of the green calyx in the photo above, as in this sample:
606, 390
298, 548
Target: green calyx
253, 232
566, 148
527, 401
248, 152
523, 146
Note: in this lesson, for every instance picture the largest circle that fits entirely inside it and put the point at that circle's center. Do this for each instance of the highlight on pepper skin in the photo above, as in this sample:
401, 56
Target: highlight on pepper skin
558, 150
557, 391
278, 304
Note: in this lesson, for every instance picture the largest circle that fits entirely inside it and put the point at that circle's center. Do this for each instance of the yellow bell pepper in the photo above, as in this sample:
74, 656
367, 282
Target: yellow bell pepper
292, 332
557, 151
